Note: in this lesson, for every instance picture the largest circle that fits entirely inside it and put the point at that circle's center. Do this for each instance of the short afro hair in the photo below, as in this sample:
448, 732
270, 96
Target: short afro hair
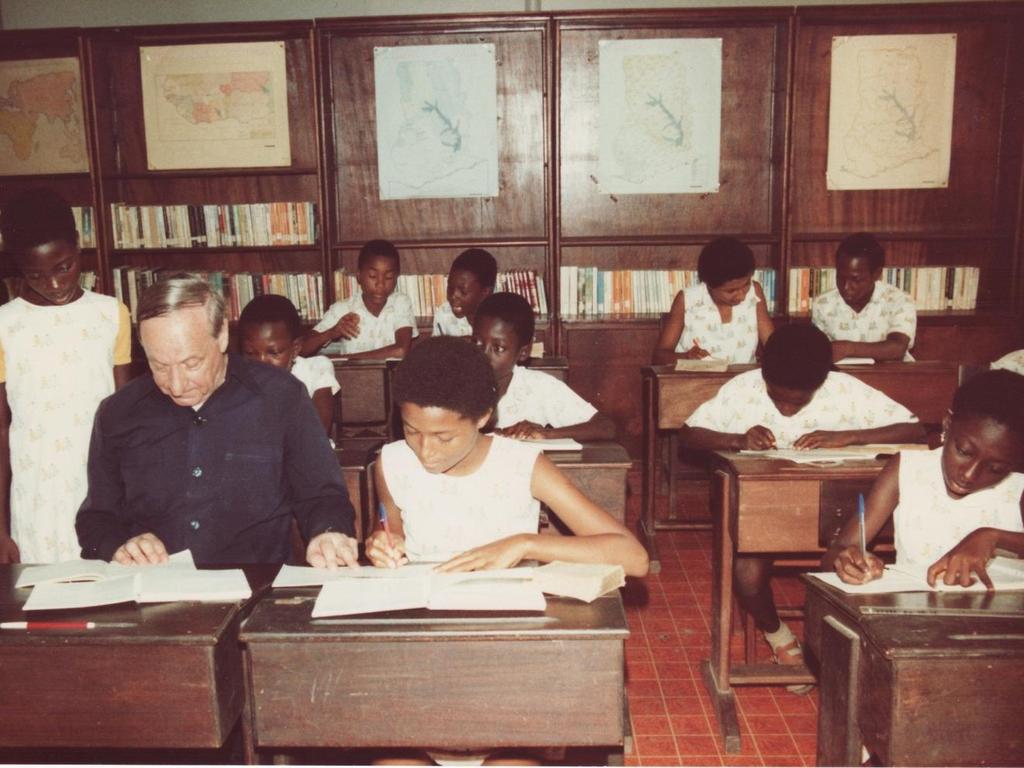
36, 217
374, 248
513, 309
271, 308
447, 372
797, 356
480, 264
724, 259
996, 395
863, 245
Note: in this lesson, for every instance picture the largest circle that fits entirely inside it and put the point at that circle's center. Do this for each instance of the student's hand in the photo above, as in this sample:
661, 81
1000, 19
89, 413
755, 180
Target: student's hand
854, 568
821, 439
347, 327
758, 439
524, 430
503, 553
695, 353
968, 557
9, 552
383, 555
144, 549
331, 549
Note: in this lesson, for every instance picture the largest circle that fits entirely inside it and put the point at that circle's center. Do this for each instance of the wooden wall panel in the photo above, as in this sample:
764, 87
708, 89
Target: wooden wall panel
438, 259
971, 201
649, 256
519, 211
753, 61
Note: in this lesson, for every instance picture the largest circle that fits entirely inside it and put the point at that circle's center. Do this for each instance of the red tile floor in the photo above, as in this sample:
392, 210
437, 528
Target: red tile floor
669, 622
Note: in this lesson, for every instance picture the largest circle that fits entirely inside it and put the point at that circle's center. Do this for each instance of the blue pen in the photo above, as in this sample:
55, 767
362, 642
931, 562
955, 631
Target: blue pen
387, 529
863, 534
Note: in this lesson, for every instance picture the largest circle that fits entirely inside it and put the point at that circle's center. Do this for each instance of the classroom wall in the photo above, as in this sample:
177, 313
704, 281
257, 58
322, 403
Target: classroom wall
34, 14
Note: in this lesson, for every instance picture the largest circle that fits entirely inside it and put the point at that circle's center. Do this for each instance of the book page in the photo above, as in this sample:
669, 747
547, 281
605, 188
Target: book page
1006, 574
164, 585
307, 576
95, 570
556, 444
345, 597
54, 596
707, 364
483, 592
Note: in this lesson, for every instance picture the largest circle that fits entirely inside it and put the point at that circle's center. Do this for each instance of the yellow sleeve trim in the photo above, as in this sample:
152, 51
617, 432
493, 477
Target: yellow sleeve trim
123, 342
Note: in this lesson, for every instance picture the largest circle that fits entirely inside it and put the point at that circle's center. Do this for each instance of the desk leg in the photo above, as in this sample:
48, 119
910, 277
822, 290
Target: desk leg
839, 740
716, 671
650, 474
248, 713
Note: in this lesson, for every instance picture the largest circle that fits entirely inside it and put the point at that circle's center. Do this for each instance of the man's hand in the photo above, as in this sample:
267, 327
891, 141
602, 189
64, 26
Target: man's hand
331, 549
969, 557
821, 439
503, 553
524, 430
9, 552
758, 439
347, 327
145, 549
384, 555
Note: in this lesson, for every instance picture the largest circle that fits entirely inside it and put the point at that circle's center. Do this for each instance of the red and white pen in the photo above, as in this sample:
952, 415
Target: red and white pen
30, 625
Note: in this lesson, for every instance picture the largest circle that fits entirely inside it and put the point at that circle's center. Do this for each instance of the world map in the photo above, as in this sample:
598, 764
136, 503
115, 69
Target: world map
232, 105
41, 123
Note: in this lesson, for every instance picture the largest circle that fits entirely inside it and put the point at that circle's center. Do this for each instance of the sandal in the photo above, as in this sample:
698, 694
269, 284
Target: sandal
786, 650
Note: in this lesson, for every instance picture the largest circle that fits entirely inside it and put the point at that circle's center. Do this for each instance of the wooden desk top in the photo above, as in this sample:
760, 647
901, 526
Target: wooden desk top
759, 468
602, 453
285, 615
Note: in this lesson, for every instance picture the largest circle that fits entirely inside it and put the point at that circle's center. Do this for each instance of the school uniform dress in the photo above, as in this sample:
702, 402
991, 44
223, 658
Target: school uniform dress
928, 522
842, 403
1013, 362
375, 331
447, 324
223, 480
889, 310
315, 373
735, 341
542, 399
58, 364
444, 515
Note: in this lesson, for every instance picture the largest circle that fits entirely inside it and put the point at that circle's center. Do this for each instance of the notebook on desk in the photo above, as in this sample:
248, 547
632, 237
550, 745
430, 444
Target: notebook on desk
1006, 573
94, 570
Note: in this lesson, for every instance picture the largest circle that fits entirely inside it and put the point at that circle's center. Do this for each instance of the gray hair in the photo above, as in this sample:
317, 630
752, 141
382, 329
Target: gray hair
181, 291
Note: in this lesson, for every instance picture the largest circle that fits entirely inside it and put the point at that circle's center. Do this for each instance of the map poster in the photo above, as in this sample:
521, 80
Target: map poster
41, 125
437, 121
891, 111
660, 115
221, 105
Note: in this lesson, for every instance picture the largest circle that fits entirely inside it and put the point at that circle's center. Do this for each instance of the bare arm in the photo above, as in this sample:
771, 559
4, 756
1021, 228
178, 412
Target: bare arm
671, 332
907, 432
382, 551
347, 327
765, 326
894, 348
757, 438
600, 427
8, 548
323, 404
401, 347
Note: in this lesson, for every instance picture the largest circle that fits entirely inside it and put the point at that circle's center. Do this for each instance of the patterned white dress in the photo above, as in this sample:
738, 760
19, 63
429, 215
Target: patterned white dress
928, 522
315, 372
447, 324
541, 398
445, 515
889, 310
58, 364
1013, 362
375, 331
735, 341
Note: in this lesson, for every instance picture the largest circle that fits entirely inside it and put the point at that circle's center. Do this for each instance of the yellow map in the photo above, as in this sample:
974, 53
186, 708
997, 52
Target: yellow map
41, 125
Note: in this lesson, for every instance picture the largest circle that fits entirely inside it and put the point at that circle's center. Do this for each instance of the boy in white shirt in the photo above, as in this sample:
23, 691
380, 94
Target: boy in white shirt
796, 400
1013, 362
470, 280
863, 316
532, 404
374, 324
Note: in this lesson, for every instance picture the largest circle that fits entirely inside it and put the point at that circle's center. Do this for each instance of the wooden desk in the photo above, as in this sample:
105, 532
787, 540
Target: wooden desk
552, 365
764, 507
172, 681
670, 397
422, 679
363, 411
599, 470
932, 688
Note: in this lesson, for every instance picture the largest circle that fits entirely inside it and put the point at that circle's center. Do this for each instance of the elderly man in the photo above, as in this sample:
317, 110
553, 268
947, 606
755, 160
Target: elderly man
210, 452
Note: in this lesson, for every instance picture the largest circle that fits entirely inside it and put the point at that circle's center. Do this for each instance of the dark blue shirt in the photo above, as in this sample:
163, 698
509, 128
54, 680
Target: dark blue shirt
223, 481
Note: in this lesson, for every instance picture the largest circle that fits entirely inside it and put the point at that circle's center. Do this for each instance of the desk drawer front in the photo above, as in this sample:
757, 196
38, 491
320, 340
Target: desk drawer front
131, 696
777, 516
459, 694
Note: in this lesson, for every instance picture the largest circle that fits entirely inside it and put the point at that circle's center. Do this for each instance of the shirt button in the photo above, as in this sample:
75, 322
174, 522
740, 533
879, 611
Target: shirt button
194, 525
198, 420
197, 471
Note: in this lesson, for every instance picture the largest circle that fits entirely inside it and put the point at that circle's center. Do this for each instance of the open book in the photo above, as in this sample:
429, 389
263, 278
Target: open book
856, 361
512, 589
584, 581
1006, 574
707, 364
831, 456
307, 576
95, 570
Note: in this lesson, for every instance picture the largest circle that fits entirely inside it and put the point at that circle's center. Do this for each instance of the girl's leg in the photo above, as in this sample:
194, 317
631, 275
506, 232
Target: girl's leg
754, 591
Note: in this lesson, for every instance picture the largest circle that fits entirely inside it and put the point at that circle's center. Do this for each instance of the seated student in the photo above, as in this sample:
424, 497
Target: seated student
377, 322
724, 316
952, 506
1014, 362
862, 316
795, 400
470, 281
271, 333
531, 404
